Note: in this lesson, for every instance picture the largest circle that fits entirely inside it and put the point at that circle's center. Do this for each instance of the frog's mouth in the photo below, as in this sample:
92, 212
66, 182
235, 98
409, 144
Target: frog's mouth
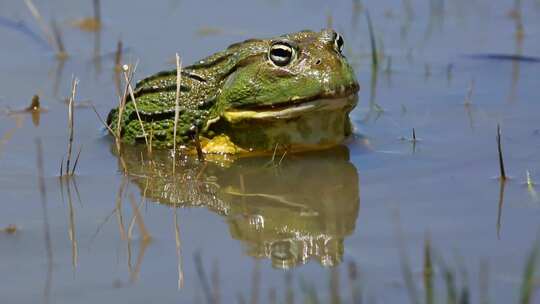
309, 125
292, 109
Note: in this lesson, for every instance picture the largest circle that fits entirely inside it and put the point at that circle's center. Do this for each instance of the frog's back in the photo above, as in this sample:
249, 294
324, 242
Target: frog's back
155, 98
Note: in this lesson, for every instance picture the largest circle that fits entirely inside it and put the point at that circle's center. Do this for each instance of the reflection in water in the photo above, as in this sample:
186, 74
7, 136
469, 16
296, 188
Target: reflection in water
8, 134
375, 110
178, 251
97, 52
502, 185
144, 241
71, 215
46, 228
58, 76
290, 212
519, 35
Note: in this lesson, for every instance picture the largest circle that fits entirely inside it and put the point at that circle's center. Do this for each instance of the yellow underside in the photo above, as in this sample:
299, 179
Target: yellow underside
314, 125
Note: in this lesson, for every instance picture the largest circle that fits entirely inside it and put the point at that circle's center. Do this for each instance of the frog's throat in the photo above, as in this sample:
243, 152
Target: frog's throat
313, 125
324, 104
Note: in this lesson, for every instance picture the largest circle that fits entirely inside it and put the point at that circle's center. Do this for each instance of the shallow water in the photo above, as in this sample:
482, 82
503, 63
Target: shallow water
256, 217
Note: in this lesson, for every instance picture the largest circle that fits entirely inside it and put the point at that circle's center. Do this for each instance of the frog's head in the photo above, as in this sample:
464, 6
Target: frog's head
289, 70
293, 91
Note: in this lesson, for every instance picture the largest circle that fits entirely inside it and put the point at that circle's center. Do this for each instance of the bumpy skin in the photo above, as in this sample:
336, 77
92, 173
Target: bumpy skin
242, 77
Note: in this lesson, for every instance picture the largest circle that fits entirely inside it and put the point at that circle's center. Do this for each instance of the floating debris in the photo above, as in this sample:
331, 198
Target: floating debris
10, 229
90, 24
34, 104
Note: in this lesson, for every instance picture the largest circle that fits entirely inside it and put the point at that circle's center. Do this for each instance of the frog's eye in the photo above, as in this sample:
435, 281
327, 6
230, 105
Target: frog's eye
338, 43
281, 53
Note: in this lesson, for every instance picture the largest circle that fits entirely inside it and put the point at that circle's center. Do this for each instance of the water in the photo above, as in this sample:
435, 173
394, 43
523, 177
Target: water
352, 204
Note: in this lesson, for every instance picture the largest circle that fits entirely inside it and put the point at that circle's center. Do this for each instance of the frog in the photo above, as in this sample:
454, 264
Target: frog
293, 91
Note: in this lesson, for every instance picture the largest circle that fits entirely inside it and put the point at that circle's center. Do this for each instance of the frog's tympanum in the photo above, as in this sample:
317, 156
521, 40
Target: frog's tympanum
290, 210
293, 91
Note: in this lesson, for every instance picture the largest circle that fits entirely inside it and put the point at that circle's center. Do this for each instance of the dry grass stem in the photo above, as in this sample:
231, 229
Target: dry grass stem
71, 112
132, 95
176, 106
123, 98
103, 121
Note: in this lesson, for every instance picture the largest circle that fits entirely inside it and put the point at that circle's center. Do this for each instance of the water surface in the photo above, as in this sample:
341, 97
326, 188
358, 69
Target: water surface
251, 220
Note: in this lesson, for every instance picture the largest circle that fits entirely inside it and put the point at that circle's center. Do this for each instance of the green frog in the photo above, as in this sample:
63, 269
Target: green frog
294, 92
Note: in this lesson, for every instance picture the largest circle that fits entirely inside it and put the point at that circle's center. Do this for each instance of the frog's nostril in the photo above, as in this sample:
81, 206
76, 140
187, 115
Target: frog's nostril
318, 62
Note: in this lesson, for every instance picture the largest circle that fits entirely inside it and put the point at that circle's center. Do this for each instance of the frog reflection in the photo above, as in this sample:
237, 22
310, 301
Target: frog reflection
290, 211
